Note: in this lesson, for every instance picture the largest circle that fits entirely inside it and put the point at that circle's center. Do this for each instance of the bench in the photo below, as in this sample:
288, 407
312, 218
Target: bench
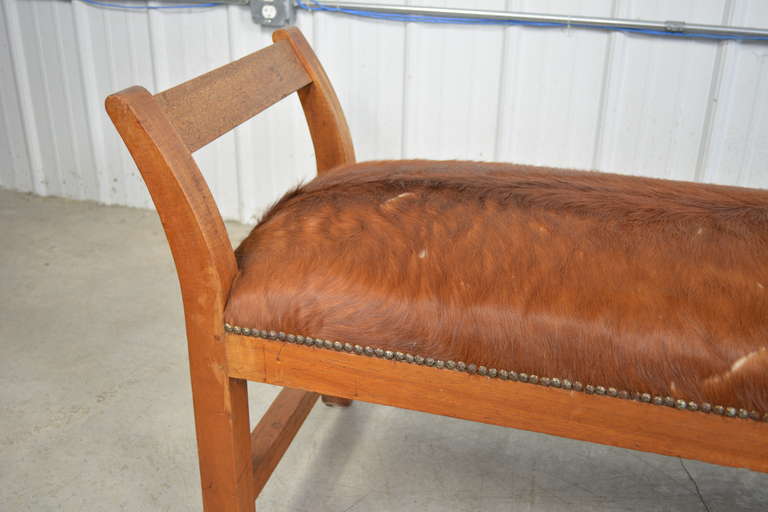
612, 309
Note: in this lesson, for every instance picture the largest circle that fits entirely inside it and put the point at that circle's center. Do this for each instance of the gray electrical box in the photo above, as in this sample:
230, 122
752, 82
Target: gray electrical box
273, 13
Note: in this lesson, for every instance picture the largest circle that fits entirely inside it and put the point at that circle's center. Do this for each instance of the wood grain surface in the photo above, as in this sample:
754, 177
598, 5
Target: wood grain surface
598, 419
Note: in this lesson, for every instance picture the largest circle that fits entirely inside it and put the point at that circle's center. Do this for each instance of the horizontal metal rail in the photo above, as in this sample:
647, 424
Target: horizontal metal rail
191, 2
680, 27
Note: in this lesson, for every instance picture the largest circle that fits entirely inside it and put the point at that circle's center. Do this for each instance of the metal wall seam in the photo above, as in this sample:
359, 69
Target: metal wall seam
453, 81
608, 76
738, 153
15, 171
79, 169
714, 92
90, 90
21, 75
551, 94
656, 107
44, 106
365, 59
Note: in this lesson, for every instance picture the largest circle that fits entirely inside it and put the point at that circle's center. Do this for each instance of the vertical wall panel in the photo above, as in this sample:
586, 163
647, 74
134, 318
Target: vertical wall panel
50, 101
77, 168
115, 54
552, 87
365, 59
55, 88
564, 97
39, 119
658, 93
15, 30
452, 82
15, 167
738, 149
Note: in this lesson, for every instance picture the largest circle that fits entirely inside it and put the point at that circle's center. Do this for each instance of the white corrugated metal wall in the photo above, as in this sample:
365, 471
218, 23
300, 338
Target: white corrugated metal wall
683, 109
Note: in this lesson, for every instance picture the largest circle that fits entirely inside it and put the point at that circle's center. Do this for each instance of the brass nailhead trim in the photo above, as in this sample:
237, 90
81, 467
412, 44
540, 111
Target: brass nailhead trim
493, 373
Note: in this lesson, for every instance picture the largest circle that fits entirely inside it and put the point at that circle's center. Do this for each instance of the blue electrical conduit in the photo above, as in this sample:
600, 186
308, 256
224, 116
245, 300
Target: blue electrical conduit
151, 7
475, 17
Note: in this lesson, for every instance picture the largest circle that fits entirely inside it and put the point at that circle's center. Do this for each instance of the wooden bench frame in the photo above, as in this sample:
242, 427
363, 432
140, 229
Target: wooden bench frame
162, 132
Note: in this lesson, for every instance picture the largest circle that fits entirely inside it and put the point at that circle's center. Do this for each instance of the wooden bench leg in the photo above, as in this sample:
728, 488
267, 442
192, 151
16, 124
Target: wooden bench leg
223, 443
335, 401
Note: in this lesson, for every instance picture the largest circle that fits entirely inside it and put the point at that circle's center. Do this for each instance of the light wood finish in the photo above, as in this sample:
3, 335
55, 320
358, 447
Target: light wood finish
599, 419
327, 124
274, 433
206, 266
161, 132
239, 91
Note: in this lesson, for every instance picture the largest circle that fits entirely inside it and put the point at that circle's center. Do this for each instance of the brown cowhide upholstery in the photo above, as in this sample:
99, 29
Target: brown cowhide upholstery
641, 284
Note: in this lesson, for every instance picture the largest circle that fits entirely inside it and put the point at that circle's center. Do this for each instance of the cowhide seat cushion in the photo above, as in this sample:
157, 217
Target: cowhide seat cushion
632, 287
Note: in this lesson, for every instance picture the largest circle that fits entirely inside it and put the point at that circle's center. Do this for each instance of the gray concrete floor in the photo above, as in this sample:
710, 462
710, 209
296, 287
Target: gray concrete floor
96, 413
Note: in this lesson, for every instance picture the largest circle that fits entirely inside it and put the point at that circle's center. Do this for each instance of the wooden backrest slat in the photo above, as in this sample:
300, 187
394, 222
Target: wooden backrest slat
212, 104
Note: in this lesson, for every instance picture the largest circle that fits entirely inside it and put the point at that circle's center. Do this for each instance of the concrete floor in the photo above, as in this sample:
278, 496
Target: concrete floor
96, 413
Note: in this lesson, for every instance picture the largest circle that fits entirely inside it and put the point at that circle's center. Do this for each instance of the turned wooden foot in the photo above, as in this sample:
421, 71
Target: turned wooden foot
334, 401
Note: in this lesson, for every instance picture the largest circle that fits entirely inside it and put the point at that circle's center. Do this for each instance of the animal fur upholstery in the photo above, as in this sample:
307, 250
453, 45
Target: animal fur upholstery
641, 284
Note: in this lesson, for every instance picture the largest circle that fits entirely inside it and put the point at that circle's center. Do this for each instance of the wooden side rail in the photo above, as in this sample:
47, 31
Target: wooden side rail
275, 431
593, 418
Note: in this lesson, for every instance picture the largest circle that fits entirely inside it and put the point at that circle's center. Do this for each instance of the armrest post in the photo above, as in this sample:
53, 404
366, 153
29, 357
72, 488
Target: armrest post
327, 124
